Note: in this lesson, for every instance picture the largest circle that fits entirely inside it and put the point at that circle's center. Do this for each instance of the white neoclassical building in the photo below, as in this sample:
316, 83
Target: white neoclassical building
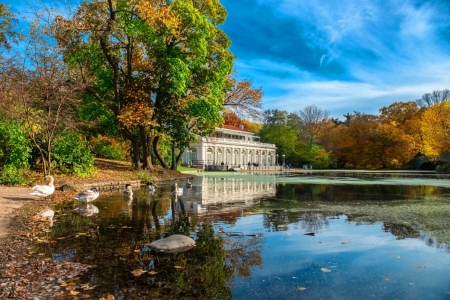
233, 146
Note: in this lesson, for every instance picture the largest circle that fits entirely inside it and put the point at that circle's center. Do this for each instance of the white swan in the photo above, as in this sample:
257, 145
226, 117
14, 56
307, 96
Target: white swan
128, 190
188, 184
87, 195
44, 190
177, 191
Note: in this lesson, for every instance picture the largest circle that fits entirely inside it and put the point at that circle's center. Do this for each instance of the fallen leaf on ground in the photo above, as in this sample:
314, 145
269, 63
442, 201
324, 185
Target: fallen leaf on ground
138, 272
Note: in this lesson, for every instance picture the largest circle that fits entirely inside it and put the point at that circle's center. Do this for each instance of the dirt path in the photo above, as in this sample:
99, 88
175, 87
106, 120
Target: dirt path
12, 199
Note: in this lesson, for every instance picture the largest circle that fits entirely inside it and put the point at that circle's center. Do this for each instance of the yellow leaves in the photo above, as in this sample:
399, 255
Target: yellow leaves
157, 13
136, 113
64, 284
109, 297
73, 293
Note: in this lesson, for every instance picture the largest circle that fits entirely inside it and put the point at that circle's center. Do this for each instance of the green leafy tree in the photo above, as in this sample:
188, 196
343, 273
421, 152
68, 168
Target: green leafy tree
164, 56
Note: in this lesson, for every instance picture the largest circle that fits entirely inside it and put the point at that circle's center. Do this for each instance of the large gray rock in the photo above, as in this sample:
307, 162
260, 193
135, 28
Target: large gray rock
173, 244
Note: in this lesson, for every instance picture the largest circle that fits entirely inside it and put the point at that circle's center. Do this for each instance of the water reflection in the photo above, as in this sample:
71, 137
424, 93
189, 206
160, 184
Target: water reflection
87, 209
221, 194
252, 240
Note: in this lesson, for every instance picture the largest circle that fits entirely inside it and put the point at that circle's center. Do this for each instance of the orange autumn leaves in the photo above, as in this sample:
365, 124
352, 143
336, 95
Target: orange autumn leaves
136, 114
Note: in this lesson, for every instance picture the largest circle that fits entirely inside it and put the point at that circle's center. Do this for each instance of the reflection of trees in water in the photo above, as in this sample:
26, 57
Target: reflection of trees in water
400, 231
308, 220
432, 242
242, 252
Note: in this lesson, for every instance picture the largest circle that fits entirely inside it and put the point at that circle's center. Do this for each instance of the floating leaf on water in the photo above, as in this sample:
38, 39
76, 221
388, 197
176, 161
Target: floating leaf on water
387, 279
345, 242
398, 256
301, 288
325, 270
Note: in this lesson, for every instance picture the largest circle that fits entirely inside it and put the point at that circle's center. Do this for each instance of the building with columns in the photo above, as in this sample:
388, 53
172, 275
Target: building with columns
234, 146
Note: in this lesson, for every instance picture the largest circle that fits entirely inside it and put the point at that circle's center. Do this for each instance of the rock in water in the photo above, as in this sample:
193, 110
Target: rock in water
173, 244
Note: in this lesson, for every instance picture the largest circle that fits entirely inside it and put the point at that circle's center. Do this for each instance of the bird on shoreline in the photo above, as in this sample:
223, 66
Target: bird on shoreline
44, 191
87, 195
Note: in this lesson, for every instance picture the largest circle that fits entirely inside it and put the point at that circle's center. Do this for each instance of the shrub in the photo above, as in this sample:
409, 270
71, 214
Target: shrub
14, 153
109, 148
71, 154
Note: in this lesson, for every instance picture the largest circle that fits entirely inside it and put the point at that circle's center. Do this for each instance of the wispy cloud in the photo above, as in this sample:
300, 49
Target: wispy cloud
357, 55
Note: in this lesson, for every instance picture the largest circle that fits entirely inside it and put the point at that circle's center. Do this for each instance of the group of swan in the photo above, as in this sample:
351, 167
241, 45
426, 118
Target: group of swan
91, 194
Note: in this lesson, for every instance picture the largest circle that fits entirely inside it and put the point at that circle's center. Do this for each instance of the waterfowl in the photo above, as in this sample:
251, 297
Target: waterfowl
128, 190
87, 195
177, 191
188, 184
151, 187
44, 191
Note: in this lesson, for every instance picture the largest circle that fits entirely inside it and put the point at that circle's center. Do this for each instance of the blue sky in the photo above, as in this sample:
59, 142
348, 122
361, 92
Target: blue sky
342, 56
346, 56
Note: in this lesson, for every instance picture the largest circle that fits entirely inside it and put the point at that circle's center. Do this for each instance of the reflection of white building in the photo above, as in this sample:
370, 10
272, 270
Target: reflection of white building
231, 192
234, 146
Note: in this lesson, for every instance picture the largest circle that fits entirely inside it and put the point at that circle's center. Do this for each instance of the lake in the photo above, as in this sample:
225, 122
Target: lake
264, 236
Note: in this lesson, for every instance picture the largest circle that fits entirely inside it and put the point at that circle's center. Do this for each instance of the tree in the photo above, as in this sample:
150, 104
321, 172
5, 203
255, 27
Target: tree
311, 118
7, 21
167, 56
435, 128
429, 99
243, 99
398, 112
39, 94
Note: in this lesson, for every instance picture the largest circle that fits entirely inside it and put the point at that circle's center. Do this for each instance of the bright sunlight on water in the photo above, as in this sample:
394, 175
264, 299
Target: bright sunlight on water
265, 236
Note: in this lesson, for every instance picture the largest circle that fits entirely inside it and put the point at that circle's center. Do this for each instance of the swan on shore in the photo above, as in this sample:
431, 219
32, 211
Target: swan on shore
44, 191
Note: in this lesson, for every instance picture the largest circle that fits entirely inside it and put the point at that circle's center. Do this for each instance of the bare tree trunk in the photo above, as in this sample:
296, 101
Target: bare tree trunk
157, 154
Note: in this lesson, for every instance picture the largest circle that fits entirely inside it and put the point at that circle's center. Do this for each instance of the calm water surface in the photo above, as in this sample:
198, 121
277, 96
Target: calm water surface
265, 237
